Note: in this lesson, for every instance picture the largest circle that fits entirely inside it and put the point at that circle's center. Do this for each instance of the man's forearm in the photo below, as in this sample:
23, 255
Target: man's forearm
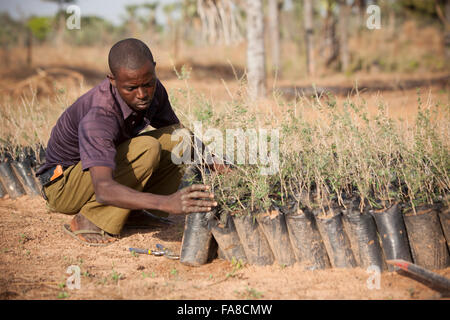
118, 195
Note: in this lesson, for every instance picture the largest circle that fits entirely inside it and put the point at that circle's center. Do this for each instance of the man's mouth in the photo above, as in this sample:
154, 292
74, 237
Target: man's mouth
142, 104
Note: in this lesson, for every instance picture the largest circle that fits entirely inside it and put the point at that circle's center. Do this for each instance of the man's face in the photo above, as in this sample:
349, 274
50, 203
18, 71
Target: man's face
136, 87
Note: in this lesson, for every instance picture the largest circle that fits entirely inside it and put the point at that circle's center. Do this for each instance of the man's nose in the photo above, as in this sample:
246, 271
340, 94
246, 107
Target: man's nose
141, 93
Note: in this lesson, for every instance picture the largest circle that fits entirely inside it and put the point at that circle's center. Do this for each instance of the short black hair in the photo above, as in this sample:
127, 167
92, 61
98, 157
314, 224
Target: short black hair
129, 54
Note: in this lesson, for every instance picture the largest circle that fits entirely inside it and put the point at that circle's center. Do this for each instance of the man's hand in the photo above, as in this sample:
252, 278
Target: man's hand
191, 199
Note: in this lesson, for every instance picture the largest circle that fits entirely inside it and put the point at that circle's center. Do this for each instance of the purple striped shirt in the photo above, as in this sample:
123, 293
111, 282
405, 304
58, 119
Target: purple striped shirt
91, 128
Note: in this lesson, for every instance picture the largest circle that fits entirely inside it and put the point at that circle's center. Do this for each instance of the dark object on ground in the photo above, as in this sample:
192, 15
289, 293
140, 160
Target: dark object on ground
255, 244
426, 239
273, 226
437, 281
336, 240
392, 231
306, 241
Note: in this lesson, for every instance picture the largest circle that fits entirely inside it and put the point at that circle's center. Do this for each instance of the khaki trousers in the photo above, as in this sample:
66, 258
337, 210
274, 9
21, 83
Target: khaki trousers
142, 163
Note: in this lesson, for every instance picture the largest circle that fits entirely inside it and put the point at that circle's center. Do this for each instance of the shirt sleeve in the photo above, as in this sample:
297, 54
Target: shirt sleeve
164, 116
97, 132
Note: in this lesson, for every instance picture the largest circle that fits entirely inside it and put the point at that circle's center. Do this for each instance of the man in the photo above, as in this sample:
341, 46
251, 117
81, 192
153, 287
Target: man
99, 168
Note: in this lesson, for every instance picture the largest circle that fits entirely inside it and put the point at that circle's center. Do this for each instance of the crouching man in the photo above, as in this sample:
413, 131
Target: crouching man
98, 165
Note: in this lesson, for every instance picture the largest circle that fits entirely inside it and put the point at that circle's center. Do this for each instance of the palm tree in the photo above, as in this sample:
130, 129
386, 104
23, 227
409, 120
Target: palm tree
256, 73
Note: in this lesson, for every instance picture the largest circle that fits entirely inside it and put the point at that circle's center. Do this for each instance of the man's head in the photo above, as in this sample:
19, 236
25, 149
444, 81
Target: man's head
133, 72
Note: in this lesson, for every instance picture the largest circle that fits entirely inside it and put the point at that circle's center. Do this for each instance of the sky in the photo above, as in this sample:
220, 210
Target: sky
112, 10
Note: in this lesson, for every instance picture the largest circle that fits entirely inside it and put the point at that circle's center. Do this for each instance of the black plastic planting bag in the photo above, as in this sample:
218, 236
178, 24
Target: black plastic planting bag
9, 180
3, 192
22, 167
273, 226
306, 241
198, 245
255, 244
392, 231
444, 216
225, 234
367, 248
426, 239
335, 239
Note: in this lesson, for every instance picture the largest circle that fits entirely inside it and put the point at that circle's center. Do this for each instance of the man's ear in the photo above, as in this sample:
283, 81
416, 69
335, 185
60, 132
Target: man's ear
112, 79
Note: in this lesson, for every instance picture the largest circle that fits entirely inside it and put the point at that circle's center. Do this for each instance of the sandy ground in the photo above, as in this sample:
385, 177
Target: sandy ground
35, 254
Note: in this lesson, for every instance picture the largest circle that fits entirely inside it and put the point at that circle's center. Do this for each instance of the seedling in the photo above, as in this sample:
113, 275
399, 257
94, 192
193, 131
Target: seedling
115, 276
62, 295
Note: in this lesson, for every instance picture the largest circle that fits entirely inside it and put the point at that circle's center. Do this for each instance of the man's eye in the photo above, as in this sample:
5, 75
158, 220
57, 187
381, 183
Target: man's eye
130, 88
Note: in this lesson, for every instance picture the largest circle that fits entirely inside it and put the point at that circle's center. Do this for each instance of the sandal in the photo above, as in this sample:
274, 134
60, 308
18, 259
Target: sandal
74, 234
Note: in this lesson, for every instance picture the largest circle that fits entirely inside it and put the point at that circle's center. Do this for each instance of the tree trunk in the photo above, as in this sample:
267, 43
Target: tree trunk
256, 72
331, 46
29, 44
274, 33
309, 34
344, 16
361, 6
447, 29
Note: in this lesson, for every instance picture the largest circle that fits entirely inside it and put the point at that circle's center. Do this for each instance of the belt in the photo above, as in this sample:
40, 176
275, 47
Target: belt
50, 176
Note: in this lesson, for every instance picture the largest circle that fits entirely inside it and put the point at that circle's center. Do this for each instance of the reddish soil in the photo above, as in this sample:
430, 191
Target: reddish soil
35, 254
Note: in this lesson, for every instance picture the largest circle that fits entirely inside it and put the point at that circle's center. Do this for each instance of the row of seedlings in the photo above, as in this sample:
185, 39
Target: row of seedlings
316, 237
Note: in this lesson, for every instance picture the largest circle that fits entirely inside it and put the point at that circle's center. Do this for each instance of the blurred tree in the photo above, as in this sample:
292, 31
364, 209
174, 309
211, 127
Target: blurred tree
39, 28
274, 7
343, 20
95, 31
309, 35
189, 14
151, 7
149, 22
174, 26
10, 34
443, 12
132, 23
60, 19
221, 21
331, 42
256, 73
361, 6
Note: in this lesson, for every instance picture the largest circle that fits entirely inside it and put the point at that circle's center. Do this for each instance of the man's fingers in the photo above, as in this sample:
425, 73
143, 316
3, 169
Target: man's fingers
197, 187
197, 194
199, 203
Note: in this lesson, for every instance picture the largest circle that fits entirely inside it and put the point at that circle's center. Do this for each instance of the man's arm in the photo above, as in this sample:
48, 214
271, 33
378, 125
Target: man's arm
110, 192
